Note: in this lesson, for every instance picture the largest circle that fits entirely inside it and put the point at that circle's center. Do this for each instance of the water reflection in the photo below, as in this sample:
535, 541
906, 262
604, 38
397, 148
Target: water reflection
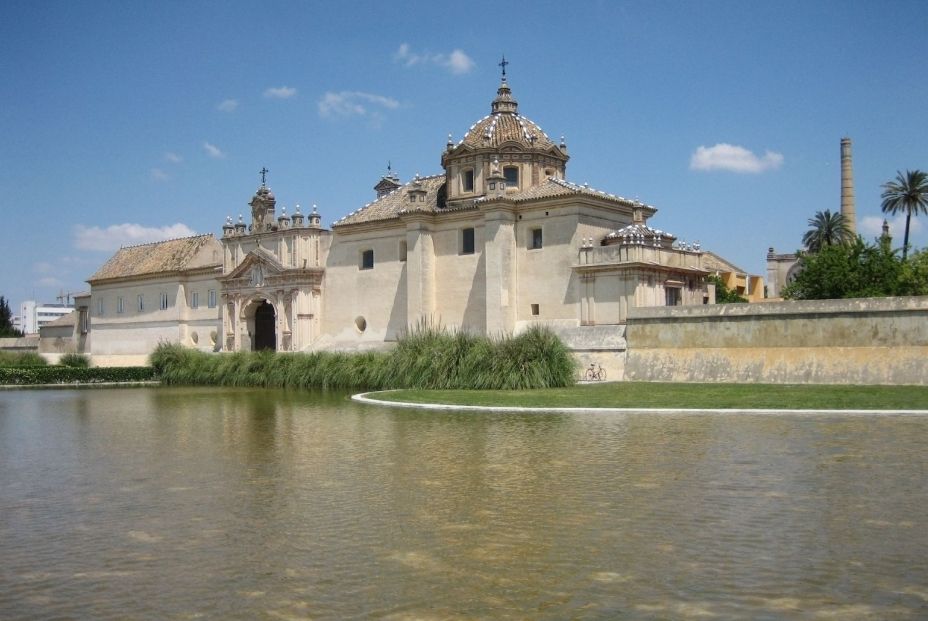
243, 504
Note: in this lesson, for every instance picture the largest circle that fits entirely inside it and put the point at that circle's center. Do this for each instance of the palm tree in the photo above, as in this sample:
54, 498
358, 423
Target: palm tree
826, 229
907, 194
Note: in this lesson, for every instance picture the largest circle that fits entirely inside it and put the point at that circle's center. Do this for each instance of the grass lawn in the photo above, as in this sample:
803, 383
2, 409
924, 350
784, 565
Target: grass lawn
695, 396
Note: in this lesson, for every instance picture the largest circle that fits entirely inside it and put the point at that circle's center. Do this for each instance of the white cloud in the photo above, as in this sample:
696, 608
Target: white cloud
457, 62
49, 281
872, 226
354, 103
213, 151
173, 157
227, 105
733, 158
116, 235
282, 92
158, 175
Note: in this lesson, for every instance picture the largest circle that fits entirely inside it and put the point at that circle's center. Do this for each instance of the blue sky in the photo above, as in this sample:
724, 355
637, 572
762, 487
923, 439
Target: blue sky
125, 122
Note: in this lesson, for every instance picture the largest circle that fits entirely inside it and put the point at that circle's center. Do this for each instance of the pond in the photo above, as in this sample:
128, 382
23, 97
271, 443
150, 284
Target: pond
205, 503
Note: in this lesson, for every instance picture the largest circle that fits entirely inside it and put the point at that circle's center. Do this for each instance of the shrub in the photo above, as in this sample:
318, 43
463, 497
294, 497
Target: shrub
75, 360
23, 376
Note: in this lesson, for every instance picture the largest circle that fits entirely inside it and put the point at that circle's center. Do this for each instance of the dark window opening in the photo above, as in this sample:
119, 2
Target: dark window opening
535, 310
536, 239
467, 181
367, 260
511, 173
467, 241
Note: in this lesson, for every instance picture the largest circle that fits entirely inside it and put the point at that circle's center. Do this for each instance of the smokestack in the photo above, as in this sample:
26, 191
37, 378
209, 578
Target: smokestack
847, 187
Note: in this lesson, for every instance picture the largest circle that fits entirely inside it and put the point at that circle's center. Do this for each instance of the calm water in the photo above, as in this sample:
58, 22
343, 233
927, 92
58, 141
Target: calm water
202, 504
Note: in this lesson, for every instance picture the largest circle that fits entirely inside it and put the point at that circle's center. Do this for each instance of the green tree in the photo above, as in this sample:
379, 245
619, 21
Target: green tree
6, 319
826, 229
907, 194
856, 270
724, 295
914, 277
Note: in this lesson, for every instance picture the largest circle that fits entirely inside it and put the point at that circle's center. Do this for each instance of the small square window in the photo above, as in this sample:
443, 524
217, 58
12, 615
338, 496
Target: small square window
536, 310
367, 260
537, 240
467, 241
467, 180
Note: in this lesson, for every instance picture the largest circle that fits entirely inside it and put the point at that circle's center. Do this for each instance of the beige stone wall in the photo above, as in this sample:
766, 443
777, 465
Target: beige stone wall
861, 341
137, 333
372, 299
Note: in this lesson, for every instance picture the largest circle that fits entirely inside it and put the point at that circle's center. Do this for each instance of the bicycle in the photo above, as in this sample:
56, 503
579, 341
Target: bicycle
595, 375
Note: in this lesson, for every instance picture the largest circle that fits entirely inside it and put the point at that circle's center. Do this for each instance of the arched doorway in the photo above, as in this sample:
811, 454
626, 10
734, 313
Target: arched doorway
265, 327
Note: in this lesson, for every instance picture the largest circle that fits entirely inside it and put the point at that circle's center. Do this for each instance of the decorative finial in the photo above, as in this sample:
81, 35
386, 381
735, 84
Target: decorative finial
314, 208
240, 219
503, 64
389, 168
264, 171
297, 208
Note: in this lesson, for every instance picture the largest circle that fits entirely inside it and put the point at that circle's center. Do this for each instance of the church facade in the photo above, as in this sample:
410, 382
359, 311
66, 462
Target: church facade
498, 241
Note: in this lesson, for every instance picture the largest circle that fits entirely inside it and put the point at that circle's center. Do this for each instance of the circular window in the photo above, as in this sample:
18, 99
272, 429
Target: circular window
194, 337
360, 323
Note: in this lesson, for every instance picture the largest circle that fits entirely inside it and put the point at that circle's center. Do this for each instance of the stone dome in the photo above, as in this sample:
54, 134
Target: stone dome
505, 124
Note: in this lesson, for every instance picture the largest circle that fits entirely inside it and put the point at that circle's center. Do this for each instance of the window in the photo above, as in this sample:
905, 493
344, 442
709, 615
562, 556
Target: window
512, 176
467, 241
163, 301
119, 305
195, 299
673, 296
537, 240
467, 180
100, 307
83, 321
403, 250
211, 298
367, 260
141, 299
536, 310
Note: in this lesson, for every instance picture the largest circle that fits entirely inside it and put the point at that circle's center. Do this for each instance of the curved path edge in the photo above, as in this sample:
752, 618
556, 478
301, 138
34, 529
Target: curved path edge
364, 397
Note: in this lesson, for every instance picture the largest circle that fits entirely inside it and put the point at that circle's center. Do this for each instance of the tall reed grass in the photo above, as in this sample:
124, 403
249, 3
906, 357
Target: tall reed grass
21, 359
427, 356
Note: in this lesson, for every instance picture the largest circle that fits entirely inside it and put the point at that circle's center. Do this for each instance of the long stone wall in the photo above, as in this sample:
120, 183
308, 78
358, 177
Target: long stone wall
859, 341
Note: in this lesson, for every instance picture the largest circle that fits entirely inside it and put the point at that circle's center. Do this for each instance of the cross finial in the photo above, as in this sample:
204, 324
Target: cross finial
503, 64
264, 171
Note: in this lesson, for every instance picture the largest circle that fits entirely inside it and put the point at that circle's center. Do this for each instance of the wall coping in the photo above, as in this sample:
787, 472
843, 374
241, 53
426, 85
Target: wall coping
785, 308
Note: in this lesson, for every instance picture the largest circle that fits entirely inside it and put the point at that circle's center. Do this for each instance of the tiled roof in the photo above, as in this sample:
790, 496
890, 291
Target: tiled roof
155, 258
396, 202
495, 129
559, 187
505, 124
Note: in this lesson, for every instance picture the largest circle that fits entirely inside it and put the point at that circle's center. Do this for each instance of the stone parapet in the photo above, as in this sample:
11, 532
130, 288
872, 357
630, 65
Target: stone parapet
857, 341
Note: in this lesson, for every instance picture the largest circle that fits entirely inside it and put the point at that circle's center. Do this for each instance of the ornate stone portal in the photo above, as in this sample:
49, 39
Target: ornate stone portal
272, 277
